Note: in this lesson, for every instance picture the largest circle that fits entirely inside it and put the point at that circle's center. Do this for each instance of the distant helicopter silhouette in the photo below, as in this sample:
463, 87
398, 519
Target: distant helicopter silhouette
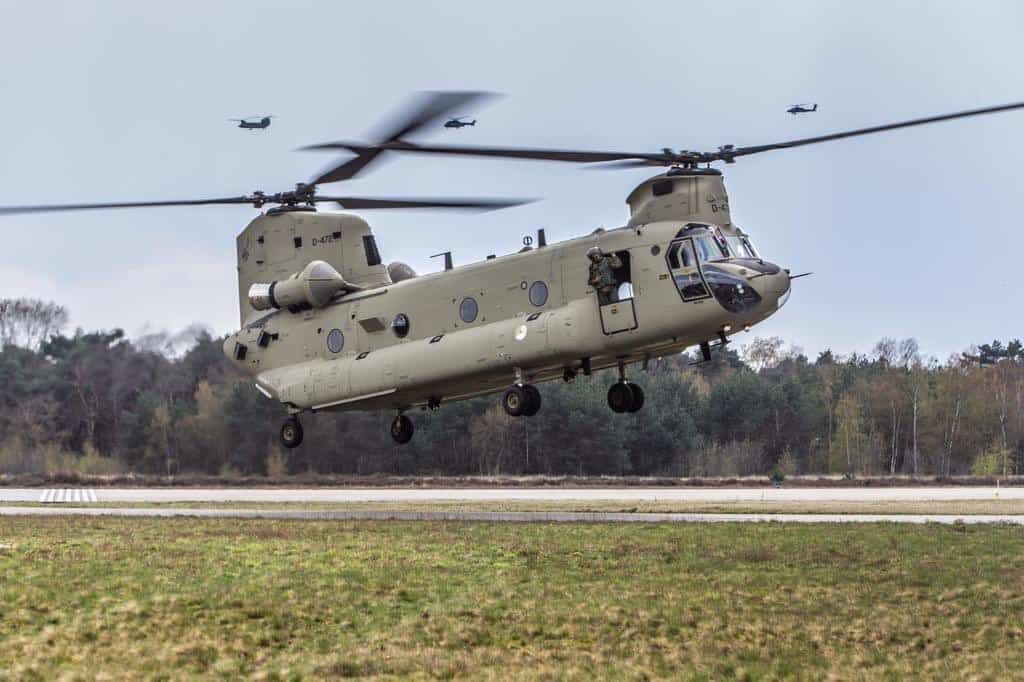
459, 123
261, 124
802, 108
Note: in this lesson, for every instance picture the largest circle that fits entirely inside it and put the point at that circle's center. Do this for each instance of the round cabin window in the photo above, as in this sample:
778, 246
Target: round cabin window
538, 293
400, 325
468, 309
335, 341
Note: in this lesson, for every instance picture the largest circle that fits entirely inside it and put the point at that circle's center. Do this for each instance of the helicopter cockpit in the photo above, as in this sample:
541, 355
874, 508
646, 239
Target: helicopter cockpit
703, 260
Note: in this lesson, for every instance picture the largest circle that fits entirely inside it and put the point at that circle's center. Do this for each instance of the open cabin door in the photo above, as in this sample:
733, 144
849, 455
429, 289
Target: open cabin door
617, 306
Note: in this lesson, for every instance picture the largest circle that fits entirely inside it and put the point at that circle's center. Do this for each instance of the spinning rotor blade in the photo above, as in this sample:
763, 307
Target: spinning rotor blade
427, 107
666, 157
450, 203
728, 154
51, 208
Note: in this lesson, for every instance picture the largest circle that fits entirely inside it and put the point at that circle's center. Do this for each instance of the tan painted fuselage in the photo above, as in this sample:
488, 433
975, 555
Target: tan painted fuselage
349, 354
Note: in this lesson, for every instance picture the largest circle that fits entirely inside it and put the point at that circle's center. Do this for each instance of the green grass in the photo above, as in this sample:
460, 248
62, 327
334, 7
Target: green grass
289, 599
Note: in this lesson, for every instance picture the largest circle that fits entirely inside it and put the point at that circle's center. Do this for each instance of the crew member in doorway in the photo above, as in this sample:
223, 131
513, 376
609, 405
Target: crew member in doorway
602, 275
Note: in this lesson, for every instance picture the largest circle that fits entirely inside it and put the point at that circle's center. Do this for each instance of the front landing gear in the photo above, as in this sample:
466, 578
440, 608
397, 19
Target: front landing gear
291, 433
521, 400
402, 429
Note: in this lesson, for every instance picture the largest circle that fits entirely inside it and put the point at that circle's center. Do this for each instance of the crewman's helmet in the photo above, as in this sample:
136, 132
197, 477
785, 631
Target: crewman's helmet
594, 253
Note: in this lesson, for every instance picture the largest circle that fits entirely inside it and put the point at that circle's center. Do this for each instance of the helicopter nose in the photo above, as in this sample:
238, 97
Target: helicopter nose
773, 286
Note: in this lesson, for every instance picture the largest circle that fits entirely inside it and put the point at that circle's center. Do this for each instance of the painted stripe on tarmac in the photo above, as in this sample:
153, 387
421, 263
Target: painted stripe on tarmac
55, 495
514, 517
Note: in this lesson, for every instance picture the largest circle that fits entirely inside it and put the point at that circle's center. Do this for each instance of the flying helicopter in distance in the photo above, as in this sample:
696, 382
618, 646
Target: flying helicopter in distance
459, 122
802, 109
259, 123
325, 325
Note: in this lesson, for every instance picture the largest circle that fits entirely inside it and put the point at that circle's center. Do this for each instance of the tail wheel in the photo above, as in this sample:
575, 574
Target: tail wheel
638, 397
402, 429
534, 405
291, 433
620, 397
516, 401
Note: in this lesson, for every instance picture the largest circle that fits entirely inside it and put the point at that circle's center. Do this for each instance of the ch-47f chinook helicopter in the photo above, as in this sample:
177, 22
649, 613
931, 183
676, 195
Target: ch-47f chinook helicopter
325, 325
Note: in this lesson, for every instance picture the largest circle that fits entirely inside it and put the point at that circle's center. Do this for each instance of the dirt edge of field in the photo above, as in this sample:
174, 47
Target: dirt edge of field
384, 481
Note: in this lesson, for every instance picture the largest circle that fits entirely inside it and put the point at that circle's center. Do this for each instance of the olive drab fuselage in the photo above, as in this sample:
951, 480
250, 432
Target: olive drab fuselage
476, 329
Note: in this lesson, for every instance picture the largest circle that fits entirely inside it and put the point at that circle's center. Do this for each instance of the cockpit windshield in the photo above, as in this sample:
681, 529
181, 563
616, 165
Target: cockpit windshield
740, 246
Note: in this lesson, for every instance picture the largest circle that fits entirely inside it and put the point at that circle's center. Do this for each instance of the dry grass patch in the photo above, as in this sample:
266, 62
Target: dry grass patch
192, 598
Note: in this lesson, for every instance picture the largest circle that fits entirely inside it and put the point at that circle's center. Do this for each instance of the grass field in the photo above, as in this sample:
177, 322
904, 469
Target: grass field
285, 599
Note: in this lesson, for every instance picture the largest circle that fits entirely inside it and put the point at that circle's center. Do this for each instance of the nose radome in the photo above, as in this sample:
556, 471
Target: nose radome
772, 285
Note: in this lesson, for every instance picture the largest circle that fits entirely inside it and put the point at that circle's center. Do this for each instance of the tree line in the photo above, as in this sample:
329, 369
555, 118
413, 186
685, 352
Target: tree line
98, 402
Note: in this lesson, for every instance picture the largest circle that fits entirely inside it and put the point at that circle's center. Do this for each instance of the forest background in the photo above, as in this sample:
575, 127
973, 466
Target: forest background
96, 402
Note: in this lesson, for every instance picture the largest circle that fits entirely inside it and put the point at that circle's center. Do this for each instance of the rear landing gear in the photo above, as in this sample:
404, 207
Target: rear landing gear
402, 429
291, 433
625, 396
521, 400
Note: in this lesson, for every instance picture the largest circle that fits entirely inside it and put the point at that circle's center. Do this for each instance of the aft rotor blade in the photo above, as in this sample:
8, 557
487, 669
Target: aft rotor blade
365, 203
427, 107
52, 208
729, 154
625, 164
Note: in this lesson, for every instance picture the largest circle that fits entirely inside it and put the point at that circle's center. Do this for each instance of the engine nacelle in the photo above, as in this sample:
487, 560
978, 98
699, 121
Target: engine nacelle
314, 287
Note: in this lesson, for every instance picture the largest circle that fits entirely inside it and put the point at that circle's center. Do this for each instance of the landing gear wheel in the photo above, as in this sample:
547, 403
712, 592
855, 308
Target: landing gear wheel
402, 429
291, 433
516, 401
533, 407
638, 397
620, 397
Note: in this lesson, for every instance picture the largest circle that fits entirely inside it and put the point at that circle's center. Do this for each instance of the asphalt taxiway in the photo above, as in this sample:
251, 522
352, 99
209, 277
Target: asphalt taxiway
171, 495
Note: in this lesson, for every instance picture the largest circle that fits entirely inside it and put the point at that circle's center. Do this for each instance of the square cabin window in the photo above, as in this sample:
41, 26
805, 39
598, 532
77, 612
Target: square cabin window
370, 247
662, 187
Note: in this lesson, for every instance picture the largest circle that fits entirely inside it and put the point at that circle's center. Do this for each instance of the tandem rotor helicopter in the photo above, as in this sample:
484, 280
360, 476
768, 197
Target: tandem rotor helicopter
325, 325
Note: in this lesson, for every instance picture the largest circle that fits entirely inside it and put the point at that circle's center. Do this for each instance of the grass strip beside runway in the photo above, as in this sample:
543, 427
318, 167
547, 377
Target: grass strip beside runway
181, 598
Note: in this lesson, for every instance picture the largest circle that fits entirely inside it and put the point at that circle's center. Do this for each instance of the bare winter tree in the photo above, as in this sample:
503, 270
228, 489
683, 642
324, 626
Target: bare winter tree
28, 322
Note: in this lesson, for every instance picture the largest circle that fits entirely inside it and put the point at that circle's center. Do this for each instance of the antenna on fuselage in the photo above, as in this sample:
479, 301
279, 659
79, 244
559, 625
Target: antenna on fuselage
447, 259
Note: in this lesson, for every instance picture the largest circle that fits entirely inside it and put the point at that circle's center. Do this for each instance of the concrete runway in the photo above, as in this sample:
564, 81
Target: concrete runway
327, 495
513, 517
86, 501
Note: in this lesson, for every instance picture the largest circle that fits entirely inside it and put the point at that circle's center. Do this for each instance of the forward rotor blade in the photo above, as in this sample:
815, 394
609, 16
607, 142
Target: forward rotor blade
729, 154
427, 107
52, 208
365, 203
569, 155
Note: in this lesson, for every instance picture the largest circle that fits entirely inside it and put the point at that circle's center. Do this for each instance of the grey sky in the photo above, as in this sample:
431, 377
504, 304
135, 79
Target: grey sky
909, 233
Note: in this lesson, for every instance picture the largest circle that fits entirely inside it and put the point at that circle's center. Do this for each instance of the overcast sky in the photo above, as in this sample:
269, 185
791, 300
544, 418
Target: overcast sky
909, 233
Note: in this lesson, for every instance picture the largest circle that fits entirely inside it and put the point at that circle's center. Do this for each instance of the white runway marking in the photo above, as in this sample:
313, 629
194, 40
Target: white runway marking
171, 495
515, 517
50, 495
